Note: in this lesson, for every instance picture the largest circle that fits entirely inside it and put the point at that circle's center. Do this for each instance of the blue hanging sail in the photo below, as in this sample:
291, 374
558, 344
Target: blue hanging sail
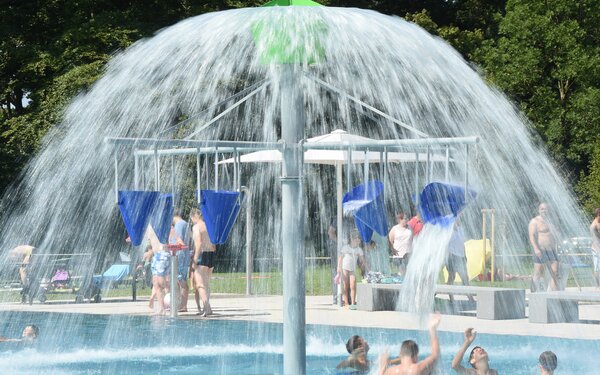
365, 202
136, 207
162, 217
220, 208
440, 203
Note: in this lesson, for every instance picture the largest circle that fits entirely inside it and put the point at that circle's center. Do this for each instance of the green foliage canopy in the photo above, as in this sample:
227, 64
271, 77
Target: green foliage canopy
544, 54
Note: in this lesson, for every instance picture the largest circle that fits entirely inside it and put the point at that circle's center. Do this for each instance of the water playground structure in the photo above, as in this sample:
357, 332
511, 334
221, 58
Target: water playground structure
295, 85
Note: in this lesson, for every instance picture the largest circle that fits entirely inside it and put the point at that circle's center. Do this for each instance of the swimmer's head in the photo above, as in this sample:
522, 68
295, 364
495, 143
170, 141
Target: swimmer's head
30, 333
357, 342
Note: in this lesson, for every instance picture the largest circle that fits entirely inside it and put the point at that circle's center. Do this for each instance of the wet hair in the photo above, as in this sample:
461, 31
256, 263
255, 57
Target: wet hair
471, 355
354, 343
196, 212
353, 234
177, 212
548, 360
409, 348
36, 330
597, 211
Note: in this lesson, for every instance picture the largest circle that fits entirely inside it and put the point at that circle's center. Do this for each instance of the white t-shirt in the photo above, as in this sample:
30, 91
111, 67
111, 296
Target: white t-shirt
402, 240
350, 257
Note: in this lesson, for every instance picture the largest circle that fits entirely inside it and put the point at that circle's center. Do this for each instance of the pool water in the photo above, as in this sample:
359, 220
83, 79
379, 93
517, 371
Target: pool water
100, 344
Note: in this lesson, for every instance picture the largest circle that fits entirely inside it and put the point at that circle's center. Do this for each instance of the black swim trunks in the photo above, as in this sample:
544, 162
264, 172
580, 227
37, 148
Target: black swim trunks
547, 256
207, 259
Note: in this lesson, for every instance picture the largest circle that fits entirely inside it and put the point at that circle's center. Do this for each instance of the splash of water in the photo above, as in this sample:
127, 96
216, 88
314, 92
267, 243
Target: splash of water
427, 259
65, 203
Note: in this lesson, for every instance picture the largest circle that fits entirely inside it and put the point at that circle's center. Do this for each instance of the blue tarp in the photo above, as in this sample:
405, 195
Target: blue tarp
162, 217
220, 208
365, 203
136, 207
440, 203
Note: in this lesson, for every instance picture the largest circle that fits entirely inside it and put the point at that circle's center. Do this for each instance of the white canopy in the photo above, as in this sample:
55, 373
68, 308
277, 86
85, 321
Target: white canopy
336, 157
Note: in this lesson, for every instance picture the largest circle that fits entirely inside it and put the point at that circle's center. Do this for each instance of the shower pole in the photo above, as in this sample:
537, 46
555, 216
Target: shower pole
292, 223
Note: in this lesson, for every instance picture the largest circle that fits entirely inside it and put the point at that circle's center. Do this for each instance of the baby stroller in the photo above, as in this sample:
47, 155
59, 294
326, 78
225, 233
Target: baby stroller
59, 282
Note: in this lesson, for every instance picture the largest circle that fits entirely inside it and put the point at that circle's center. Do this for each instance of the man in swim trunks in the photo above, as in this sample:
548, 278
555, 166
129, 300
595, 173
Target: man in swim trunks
595, 231
543, 239
203, 260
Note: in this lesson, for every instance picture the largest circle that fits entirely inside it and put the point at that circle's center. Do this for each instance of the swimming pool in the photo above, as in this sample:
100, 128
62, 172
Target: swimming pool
100, 344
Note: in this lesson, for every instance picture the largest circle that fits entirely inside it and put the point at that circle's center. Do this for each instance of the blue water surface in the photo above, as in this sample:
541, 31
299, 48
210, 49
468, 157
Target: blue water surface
101, 344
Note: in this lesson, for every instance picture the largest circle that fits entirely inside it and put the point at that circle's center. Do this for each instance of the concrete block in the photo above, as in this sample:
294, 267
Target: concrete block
545, 309
494, 304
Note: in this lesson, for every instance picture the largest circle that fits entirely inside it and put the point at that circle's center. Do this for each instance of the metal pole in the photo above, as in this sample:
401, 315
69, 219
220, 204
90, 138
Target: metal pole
198, 177
428, 166
493, 213
116, 176
173, 177
249, 266
483, 235
292, 212
136, 171
366, 166
339, 188
417, 180
174, 300
216, 170
466, 173
156, 170
349, 170
236, 170
447, 165
385, 168
134, 284
206, 168
143, 173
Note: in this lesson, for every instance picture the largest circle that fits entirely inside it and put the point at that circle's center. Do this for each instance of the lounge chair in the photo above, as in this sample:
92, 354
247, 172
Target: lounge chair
112, 276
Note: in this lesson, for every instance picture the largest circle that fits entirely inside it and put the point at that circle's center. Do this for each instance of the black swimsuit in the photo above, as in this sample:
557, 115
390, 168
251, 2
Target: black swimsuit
207, 259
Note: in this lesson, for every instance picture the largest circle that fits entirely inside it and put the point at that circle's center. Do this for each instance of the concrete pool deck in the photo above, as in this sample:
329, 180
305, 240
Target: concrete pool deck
320, 310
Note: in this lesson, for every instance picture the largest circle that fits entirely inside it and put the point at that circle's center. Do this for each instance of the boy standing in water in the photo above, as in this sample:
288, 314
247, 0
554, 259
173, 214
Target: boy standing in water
548, 363
409, 355
358, 349
478, 358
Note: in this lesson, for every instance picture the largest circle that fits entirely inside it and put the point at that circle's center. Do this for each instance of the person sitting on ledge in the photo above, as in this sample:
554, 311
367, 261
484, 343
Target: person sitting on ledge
29, 335
548, 363
478, 358
358, 349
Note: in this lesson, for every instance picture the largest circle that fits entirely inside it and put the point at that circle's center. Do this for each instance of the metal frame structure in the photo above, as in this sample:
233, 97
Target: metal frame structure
292, 147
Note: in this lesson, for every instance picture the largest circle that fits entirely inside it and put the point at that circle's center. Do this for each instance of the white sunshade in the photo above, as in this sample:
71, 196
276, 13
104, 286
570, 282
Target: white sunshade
335, 157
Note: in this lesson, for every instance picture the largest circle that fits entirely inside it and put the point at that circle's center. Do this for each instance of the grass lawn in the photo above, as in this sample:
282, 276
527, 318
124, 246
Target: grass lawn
317, 279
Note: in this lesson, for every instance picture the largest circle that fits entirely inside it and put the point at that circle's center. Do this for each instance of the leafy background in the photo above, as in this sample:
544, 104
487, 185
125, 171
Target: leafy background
544, 54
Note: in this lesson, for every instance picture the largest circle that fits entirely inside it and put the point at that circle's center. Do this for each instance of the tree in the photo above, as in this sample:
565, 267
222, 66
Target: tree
547, 60
589, 185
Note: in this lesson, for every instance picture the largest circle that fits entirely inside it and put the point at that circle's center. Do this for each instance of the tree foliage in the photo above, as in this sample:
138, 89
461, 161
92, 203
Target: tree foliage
546, 57
543, 53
